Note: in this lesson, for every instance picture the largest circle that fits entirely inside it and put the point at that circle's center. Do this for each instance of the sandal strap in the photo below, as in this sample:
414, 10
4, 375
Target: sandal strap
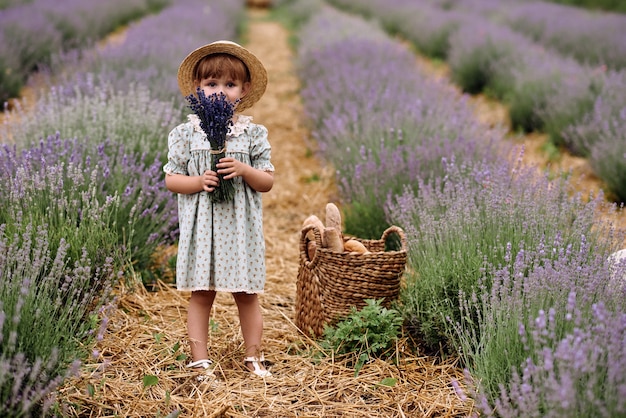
205, 364
254, 359
258, 371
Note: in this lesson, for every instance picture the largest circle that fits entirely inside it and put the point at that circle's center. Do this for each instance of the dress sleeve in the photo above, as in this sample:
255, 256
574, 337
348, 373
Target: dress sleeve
261, 150
178, 151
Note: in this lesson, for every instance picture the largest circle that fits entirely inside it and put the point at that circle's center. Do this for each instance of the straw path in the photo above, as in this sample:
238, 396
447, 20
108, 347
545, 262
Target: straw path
147, 333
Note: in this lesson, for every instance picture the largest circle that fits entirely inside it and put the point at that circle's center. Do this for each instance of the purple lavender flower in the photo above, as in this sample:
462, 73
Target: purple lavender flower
215, 113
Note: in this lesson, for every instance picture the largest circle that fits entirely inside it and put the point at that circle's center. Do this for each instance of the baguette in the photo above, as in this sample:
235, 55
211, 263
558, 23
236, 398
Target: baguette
333, 240
333, 217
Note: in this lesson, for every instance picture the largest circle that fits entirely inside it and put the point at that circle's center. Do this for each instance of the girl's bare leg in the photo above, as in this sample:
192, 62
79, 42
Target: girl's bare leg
251, 322
198, 315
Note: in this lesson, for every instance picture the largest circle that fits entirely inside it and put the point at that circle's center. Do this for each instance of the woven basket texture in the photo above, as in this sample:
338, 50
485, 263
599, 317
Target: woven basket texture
330, 283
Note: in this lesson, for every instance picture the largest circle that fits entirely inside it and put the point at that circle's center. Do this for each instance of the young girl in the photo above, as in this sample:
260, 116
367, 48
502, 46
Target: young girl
221, 245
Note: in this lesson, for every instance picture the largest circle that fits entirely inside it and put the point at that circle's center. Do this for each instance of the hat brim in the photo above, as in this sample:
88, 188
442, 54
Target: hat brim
258, 74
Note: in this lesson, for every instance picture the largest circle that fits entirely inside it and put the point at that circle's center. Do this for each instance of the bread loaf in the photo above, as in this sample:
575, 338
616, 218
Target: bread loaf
334, 242
333, 217
311, 247
353, 245
315, 221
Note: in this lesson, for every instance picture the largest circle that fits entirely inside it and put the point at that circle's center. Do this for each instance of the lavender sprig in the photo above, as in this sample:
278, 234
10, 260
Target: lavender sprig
215, 113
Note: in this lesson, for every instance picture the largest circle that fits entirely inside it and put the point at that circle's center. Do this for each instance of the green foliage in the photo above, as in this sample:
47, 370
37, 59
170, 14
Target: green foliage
609, 164
473, 74
608, 5
313, 178
569, 108
388, 381
295, 13
150, 380
551, 151
365, 334
365, 220
524, 107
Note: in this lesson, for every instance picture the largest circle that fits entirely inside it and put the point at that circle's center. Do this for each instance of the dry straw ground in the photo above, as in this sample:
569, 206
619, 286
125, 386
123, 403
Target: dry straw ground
147, 333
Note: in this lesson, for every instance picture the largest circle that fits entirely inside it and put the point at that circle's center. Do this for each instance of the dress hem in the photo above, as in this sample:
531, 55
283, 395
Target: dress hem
193, 289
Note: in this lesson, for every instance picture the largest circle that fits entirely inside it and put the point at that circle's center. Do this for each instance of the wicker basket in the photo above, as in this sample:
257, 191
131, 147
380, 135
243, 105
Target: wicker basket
330, 283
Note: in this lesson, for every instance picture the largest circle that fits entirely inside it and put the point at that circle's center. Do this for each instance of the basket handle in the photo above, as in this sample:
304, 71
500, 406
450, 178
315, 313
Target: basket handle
304, 253
397, 230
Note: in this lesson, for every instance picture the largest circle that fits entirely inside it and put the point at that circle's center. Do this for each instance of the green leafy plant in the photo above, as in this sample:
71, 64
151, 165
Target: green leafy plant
150, 380
367, 333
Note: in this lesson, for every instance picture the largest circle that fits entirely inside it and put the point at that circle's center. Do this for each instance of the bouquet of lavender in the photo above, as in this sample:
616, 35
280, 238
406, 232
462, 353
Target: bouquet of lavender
215, 113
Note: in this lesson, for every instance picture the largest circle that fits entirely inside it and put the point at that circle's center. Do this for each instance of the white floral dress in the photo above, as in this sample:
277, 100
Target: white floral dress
221, 245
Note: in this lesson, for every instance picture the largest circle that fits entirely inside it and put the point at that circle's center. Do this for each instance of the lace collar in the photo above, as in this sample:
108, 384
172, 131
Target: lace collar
243, 122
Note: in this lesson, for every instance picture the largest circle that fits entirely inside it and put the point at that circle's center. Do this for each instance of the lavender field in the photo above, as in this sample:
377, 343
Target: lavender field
509, 270
84, 203
559, 69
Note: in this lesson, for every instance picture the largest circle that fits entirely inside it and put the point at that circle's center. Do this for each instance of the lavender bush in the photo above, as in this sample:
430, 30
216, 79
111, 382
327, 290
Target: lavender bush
101, 197
294, 13
94, 113
483, 57
590, 38
48, 312
35, 31
552, 335
27, 39
117, 132
551, 92
611, 5
153, 48
608, 159
46, 190
425, 25
400, 124
547, 90
492, 245
5, 4
459, 222
600, 134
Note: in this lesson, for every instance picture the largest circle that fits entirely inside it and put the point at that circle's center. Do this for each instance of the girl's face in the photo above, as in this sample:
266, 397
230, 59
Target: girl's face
233, 89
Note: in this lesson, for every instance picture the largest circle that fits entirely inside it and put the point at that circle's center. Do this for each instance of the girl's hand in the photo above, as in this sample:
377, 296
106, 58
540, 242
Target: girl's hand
209, 180
261, 181
230, 167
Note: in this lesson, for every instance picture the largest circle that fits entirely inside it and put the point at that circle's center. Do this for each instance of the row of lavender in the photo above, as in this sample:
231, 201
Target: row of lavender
592, 38
506, 269
492, 48
596, 38
31, 33
5, 4
83, 201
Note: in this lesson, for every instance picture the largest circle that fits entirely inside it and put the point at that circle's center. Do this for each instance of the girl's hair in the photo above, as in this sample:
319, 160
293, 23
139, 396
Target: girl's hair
221, 65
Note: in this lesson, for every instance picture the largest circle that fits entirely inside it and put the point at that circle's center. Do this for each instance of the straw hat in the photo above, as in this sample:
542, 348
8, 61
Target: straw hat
258, 74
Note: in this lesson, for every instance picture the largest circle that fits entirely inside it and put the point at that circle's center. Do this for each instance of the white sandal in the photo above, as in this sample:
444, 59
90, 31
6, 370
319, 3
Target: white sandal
205, 366
258, 371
